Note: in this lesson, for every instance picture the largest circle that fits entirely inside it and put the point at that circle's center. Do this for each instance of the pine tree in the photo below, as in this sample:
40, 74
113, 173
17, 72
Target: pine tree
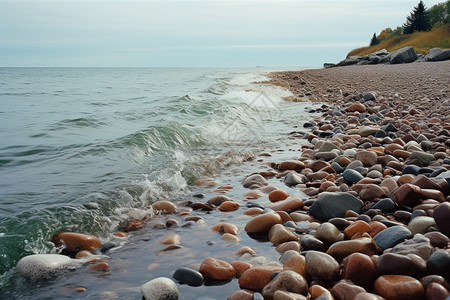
374, 41
418, 20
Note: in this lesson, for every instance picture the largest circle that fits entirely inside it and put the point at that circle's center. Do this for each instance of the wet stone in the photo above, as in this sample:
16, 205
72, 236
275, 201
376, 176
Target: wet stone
217, 269
289, 281
159, 289
393, 263
256, 278
332, 205
321, 265
392, 236
263, 223
399, 287
346, 290
439, 263
188, 276
418, 245
74, 242
421, 224
441, 215
437, 239
360, 269
280, 234
385, 204
351, 176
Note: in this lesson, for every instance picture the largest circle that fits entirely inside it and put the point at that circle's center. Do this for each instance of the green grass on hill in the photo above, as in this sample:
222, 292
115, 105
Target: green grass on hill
421, 41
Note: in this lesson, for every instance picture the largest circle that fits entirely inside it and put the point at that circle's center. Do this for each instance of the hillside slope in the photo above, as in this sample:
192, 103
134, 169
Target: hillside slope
421, 41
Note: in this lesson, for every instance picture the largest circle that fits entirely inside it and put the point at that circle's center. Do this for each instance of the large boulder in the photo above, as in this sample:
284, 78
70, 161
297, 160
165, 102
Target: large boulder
438, 54
401, 56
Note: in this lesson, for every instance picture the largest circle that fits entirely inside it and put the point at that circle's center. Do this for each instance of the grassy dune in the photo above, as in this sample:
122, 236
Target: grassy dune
421, 41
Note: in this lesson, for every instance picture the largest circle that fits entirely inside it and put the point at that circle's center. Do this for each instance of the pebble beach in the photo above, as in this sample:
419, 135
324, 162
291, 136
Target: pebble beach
354, 204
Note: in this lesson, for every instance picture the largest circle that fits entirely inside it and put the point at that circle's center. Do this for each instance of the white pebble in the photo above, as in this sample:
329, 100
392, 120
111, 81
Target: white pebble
161, 288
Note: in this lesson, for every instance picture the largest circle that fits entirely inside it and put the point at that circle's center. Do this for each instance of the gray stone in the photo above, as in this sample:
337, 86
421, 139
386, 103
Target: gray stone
392, 236
327, 147
160, 288
351, 176
424, 157
188, 276
293, 178
327, 233
44, 265
254, 181
439, 263
401, 56
437, 54
421, 224
334, 205
418, 245
322, 265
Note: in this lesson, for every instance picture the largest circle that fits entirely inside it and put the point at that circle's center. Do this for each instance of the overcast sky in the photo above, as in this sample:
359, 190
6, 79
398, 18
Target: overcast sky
191, 33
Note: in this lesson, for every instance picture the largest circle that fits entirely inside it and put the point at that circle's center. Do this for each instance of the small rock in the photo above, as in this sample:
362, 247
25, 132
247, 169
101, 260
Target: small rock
421, 224
188, 276
217, 269
327, 233
43, 265
360, 269
368, 158
399, 287
351, 176
289, 281
263, 223
344, 290
342, 249
160, 288
254, 181
419, 245
333, 205
392, 236
322, 265
280, 234
441, 215
256, 278
278, 195
226, 228
74, 242
164, 207
439, 263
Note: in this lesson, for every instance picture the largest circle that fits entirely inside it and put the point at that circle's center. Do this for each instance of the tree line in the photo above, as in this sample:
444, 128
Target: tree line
420, 19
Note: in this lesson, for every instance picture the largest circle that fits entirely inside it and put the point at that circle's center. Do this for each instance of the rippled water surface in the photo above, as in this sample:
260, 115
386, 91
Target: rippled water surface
86, 149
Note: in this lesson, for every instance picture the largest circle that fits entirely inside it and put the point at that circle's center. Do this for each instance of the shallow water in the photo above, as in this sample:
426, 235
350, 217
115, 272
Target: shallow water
86, 150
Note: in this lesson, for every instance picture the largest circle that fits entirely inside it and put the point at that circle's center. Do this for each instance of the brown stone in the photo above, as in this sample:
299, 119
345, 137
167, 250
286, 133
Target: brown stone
201, 206
293, 245
288, 204
399, 287
244, 250
217, 200
256, 278
441, 215
289, 281
263, 223
367, 296
252, 195
101, 266
291, 165
170, 239
229, 206
356, 107
278, 195
435, 291
253, 211
345, 291
358, 226
217, 269
280, 234
226, 228
283, 295
240, 267
317, 291
241, 295
368, 158
76, 241
342, 249
360, 269
376, 227
296, 263
164, 207
408, 194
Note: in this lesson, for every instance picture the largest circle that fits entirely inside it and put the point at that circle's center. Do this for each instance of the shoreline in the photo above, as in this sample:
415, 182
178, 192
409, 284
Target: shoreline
311, 172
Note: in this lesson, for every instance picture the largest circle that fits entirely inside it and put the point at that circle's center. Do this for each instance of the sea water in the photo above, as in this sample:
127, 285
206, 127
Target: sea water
87, 149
